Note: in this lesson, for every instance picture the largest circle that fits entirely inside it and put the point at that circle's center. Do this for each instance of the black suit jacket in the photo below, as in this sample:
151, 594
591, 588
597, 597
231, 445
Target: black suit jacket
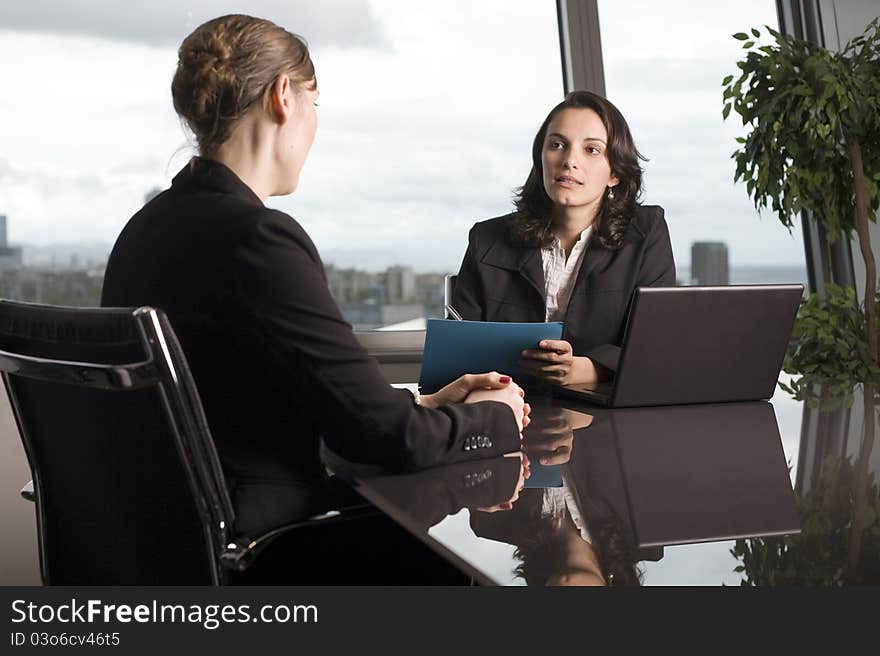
501, 281
275, 363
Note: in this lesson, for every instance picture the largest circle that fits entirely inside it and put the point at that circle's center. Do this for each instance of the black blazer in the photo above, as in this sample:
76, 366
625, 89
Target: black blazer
500, 281
275, 363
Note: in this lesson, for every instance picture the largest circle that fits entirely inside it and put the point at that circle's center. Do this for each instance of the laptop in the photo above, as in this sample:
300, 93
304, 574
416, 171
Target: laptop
686, 345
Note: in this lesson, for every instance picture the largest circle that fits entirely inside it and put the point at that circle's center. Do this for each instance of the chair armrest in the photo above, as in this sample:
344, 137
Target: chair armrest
27, 492
241, 551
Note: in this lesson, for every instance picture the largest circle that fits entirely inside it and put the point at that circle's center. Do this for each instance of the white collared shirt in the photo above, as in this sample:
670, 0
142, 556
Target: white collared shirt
559, 500
560, 274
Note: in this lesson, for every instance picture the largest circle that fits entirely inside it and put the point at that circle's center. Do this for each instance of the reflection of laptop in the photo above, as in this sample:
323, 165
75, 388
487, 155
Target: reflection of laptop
699, 345
700, 473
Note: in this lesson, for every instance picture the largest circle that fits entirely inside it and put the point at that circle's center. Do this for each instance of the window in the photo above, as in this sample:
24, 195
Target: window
426, 117
664, 63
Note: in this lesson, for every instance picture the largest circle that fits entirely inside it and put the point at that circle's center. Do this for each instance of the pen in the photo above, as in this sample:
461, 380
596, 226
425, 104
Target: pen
452, 312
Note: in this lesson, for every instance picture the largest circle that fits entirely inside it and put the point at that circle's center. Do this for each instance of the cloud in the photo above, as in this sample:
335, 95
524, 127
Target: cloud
8, 173
167, 22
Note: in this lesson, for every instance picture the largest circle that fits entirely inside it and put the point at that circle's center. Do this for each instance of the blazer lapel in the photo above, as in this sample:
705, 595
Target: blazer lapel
531, 268
527, 261
595, 259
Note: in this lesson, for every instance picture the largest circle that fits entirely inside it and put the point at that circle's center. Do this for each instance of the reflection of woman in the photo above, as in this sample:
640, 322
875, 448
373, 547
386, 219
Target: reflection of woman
275, 362
567, 535
564, 541
576, 247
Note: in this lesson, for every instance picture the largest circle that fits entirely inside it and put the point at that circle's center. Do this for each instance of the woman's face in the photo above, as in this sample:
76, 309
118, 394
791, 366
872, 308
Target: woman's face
299, 134
575, 160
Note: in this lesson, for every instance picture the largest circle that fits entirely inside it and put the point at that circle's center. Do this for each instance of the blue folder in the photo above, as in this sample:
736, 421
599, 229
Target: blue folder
543, 475
454, 348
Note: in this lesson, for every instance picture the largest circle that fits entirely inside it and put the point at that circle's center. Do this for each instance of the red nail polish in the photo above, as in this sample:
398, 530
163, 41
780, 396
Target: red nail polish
504, 379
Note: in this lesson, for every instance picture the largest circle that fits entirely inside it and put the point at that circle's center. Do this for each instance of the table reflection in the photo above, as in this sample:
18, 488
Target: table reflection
423, 499
608, 489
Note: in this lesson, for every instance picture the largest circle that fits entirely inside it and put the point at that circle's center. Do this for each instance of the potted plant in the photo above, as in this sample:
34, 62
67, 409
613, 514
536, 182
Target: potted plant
818, 555
813, 144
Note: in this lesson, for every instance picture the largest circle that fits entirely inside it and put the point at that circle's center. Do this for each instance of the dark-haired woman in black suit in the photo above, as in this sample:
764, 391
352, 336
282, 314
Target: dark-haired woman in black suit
575, 248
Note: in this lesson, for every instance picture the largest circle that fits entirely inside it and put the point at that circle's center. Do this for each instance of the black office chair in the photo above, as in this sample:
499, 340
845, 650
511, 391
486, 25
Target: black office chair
126, 479
449, 281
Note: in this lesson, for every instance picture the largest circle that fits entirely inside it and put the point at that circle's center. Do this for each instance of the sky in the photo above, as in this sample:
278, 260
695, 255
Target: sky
426, 118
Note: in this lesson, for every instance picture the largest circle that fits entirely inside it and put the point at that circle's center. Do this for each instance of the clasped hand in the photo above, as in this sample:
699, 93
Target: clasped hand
492, 386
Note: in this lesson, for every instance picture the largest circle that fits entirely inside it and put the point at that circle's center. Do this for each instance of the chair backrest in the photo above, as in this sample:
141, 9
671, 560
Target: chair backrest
128, 486
448, 291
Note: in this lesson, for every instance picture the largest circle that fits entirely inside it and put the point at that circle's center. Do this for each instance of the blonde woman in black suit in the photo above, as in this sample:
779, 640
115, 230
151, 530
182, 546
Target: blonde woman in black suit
275, 363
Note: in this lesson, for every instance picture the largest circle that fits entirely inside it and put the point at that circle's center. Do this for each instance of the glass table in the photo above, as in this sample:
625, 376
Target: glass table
657, 496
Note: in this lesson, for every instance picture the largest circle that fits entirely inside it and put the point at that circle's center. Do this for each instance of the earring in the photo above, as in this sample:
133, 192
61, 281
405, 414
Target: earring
610, 193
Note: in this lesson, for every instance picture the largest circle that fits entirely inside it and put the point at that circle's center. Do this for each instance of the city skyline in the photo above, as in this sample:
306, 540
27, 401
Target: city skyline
365, 259
394, 297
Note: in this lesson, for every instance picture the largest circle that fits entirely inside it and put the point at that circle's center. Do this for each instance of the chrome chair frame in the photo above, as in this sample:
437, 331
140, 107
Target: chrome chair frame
183, 410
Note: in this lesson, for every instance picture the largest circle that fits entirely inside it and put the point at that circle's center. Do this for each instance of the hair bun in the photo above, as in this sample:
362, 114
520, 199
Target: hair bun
212, 77
225, 66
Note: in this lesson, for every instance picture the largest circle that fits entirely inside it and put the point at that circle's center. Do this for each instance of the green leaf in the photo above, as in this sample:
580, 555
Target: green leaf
740, 36
748, 44
727, 80
755, 33
726, 111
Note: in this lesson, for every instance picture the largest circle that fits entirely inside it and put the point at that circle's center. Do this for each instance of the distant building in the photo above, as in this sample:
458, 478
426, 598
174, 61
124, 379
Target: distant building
397, 296
77, 288
400, 284
10, 256
353, 285
430, 289
709, 263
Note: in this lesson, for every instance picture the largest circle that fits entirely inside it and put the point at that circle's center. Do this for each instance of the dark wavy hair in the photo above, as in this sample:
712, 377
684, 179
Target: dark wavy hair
532, 223
541, 548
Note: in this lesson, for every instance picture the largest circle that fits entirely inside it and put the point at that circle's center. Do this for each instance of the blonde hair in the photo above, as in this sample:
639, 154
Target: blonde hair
227, 65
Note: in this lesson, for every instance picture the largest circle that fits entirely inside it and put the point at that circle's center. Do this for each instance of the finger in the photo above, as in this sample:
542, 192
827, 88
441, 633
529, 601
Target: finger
557, 458
526, 421
527, 409
491, 380
554, 423
555, 369
530, 367
544, 370
543, 365
545, 445
543, 356
560, 346
547, 434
